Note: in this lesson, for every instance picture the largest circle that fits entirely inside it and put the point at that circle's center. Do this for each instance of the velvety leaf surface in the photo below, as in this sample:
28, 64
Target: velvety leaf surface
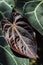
33, 11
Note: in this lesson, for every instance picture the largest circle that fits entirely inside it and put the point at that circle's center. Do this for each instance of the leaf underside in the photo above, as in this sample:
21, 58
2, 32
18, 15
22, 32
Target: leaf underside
18, 37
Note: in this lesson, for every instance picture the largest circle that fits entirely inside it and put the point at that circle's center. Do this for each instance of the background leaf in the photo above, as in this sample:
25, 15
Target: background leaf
20, 3
8, 58
6, 7
33, 11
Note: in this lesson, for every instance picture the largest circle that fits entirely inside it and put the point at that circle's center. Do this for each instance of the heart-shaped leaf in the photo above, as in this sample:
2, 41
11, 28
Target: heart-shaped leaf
33, 11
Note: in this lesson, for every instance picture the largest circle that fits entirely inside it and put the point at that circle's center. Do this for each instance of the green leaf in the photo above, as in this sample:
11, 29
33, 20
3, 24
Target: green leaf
8, 58
19, 4
6, 7
33, 11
